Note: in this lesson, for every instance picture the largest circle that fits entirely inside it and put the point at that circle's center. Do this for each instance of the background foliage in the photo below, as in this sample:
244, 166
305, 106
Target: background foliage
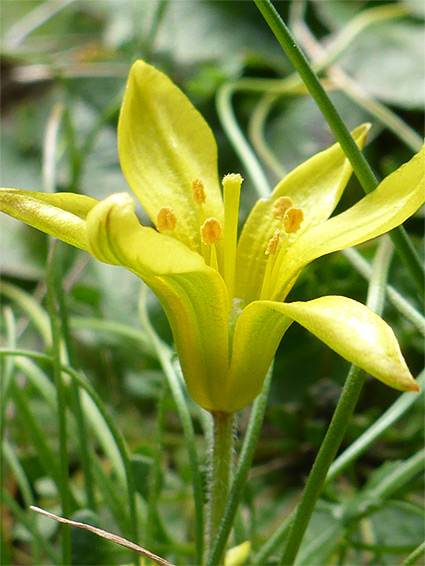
64, 67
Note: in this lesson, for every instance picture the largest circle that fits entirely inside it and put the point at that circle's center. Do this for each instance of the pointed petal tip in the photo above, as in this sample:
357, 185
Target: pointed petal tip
413, 386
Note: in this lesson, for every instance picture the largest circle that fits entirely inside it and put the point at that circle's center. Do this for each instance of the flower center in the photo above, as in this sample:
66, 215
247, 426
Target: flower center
212, 231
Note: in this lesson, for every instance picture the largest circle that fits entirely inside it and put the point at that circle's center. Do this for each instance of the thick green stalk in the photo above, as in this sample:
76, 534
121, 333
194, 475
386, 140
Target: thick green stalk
221, 472
359, 163
242, 470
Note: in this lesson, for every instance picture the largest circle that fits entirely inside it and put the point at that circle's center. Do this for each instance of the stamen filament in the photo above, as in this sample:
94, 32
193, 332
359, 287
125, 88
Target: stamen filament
211, 232
272, 248
231, 194
213, 257
265, 289
199, 197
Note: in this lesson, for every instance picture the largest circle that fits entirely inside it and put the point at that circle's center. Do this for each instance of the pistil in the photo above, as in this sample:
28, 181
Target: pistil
231, 196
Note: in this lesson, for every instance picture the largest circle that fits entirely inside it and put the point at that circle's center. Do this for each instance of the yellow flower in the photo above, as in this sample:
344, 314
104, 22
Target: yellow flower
223, 297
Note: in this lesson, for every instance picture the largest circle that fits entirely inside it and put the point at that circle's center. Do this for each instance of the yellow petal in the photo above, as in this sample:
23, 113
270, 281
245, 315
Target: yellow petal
193, 295
354, 331
315, 187
237, 555
398, 197
164, 144
357, 334
59, 214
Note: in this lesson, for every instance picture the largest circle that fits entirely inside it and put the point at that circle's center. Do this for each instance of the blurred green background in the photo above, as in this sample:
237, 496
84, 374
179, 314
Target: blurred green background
63, 69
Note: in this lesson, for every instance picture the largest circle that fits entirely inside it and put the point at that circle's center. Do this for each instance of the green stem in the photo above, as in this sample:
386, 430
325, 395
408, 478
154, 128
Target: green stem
325, 457
359, 163
221, 473
414, 556
84, 443
242, 470
391, 415
342, 416
155, 474
61, 397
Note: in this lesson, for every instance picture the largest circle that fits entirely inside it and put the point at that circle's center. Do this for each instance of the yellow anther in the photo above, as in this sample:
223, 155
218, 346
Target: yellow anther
211, 231
273, 243
280, 206
166, 219
198, 191
292, 220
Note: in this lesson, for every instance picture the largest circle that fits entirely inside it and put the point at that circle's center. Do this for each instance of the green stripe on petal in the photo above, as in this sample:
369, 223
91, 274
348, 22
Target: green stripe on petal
258, 331
193, 295
196, 307
315, 186
398, 197
164, 144
61, 215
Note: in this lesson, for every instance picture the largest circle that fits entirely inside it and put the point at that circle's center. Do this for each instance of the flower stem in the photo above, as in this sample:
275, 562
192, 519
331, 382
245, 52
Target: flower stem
358, 162
243, 467
221, 473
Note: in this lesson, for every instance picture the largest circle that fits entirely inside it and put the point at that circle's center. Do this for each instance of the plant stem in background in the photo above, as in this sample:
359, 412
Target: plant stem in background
329, 448
359, 163
221, 472
61, 399
414, 556
342, 415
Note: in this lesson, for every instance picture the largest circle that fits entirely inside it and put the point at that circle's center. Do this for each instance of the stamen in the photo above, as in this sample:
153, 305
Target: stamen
271, 251
198, 191
273, 243
231, 192
166, 219
280, 206
292, 220
211, 231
